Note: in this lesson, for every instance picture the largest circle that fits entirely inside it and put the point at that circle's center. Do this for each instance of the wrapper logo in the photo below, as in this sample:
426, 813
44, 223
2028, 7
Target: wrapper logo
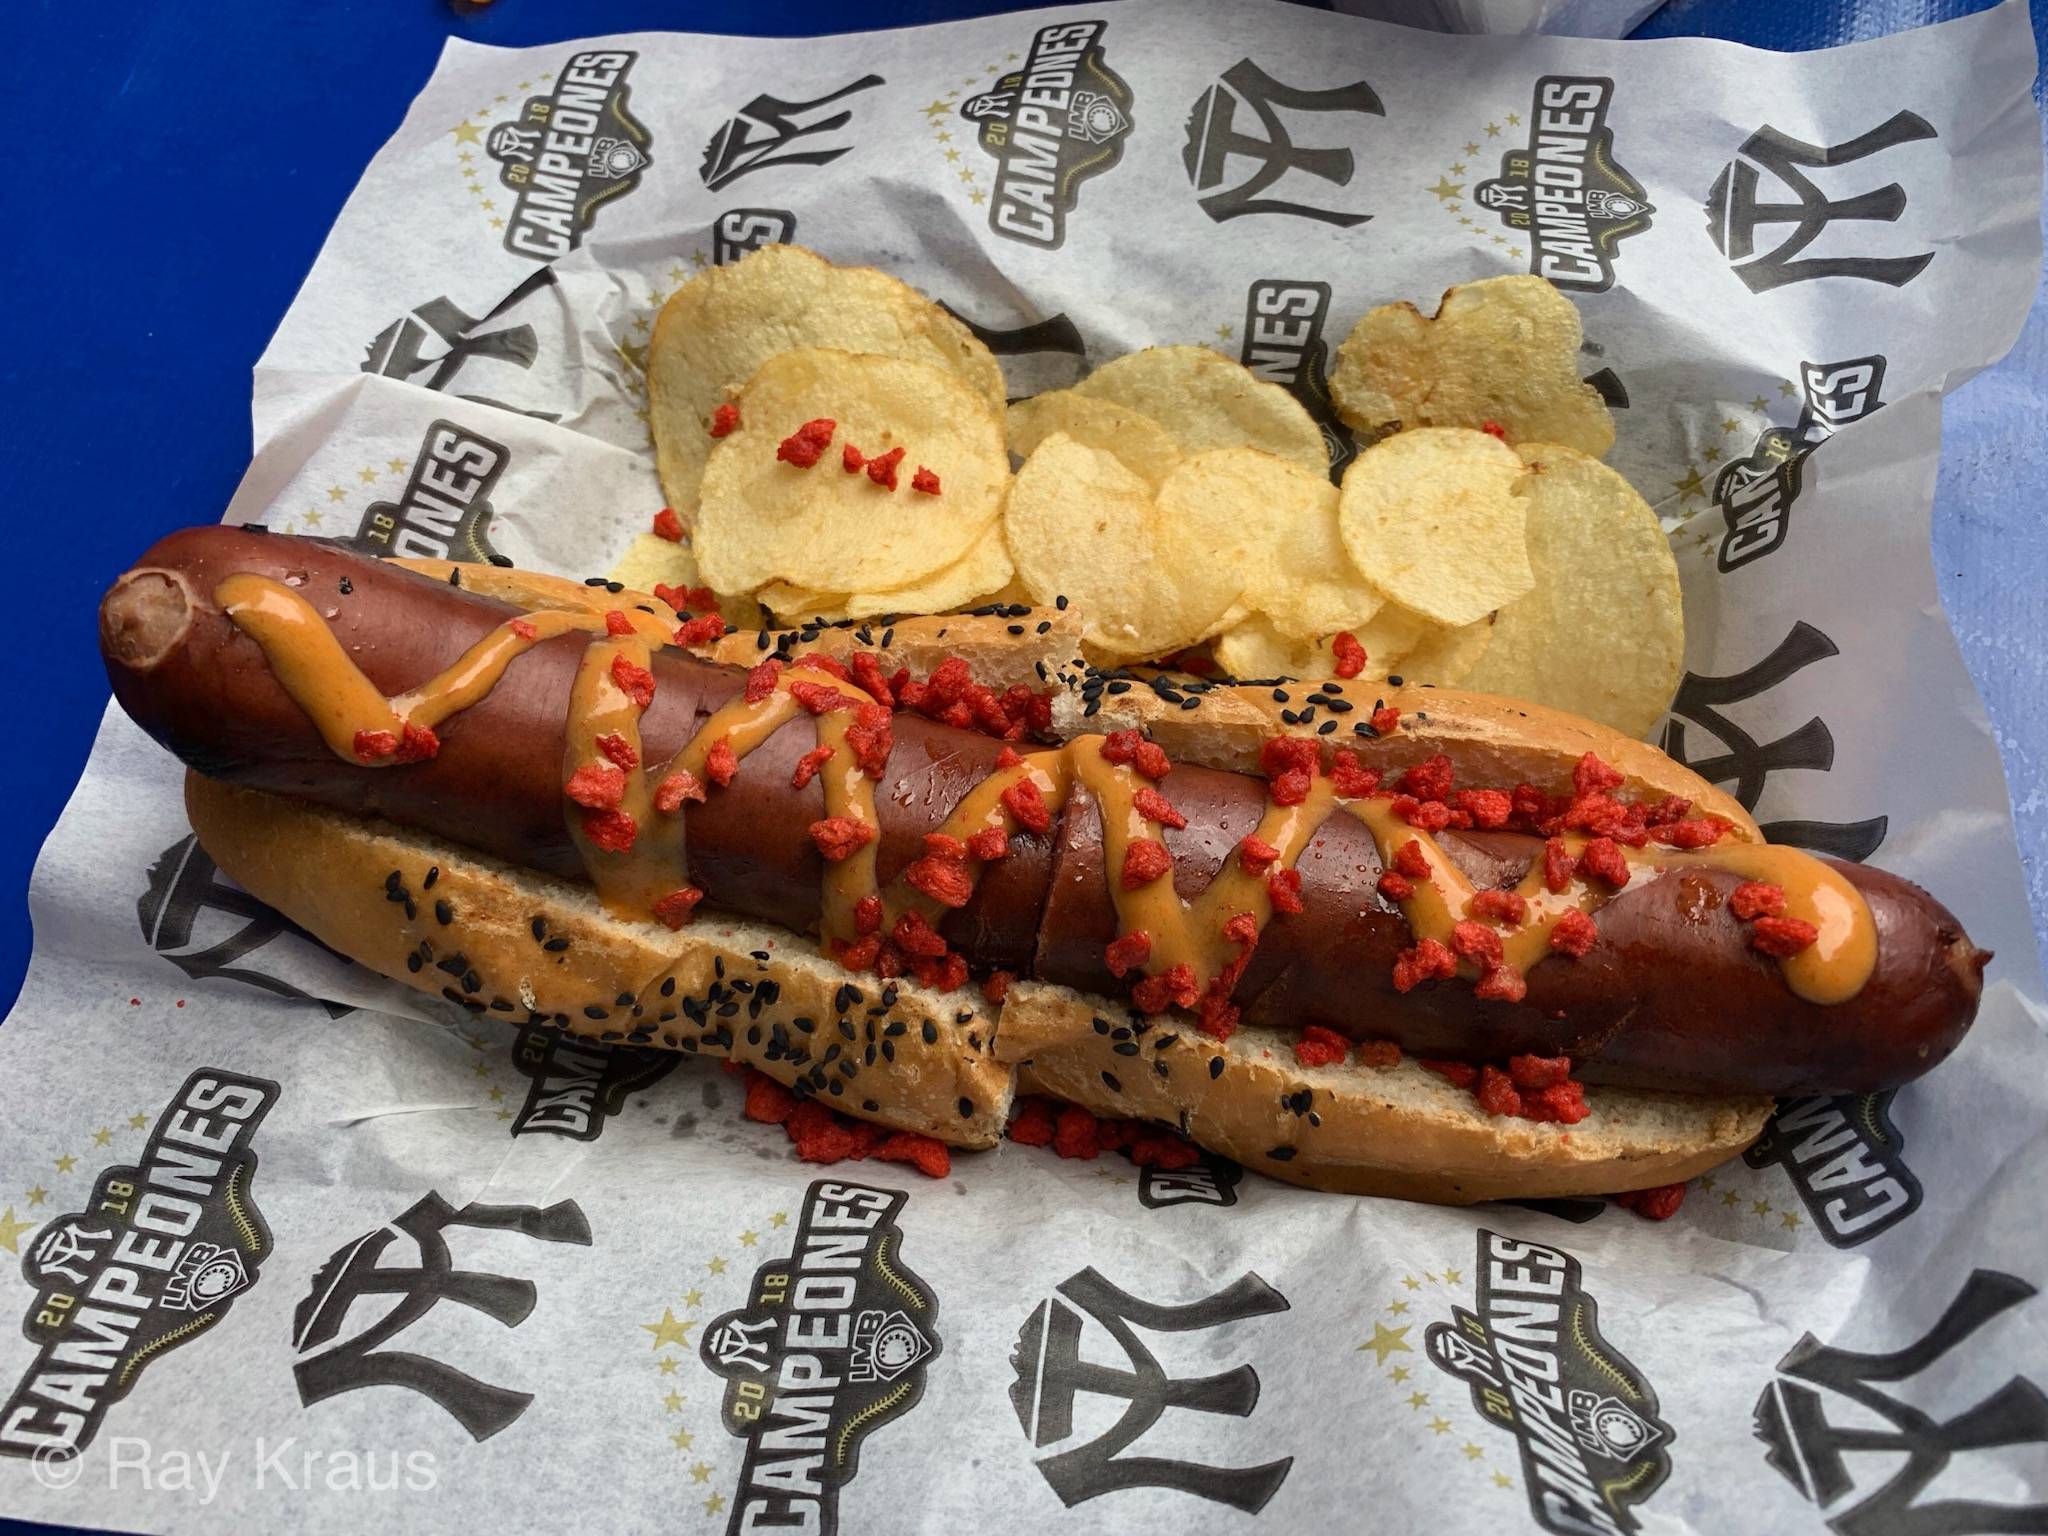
1820, 1457
1845, 1157
578, 1085
1212, 1181
1799, 211
1755, 492
332, 1362
1283, 344
1052, 1377
460, 344
1052, 123
567, 154
1746, 764
741, 231
1564, 191
1220, 142
761, 135
155, 1259
1037, 356
444, 513
833, 1346
1532, 1346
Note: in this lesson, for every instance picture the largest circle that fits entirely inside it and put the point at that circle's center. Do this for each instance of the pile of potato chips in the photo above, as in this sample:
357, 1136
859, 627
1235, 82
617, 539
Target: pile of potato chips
1176, 500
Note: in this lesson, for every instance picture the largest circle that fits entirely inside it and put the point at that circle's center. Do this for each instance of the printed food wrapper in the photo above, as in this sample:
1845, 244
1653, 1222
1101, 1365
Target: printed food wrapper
291, 1246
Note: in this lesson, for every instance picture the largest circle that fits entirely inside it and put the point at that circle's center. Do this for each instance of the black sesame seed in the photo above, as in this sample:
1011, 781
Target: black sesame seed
847, 995
1215, 1066
413, 963
889, 995
471, 982
847, 1031
540, 929
615, 586
393, 880
1110, 1082
895, 1028
501, 560
593, 581
555, 945
444, 912
1125, 1048
931, 1033
963, 1016
888, 635
1060, 602
1281, 1154
806, 1025
1120, 686
1044, 625
592, 1011
1161, 1042
433, 874
623, 1000
1191, 703
1394, 681
1092, 706
869, 1105
1326, 727
347, 586
455, 577
1159, 1067
451, 994
668, 986
1101, 1026
1015, 629
1279, 695
966, 1108
1341, 706
837, 1087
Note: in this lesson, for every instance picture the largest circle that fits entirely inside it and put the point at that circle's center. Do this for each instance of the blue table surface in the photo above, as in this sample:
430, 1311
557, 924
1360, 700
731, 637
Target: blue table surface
179, 174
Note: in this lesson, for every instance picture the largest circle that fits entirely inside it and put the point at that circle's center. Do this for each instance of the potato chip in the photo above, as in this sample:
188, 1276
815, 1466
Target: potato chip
651, 561
1503, 350
982, 571
1299, 574
1141, 443
1431, 518
763, 519
719, 327
1207, 401
1395, 641
1255, 650
1603, 633
1444, 655
1083, 526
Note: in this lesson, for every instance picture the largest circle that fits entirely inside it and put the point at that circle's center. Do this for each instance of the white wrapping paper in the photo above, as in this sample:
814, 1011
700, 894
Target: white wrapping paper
464, 1280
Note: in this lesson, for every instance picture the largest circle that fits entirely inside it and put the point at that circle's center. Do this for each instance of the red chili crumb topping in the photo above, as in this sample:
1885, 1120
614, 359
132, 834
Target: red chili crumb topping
1283, 888
808, 766
1659, 1204
1320, 1047
990, 843
618, 750
1386, 720
882, 468
1026, 802
616, 623
1426, 815
1350, 655
1144, 862
1175, 987
1255, 855
1130, 749
1128, 952
997, 986
1574, 934
701, 630
1351, 778
1477, 942
1242, 930
1509, 908
667, 525
1426, 960
721, 762
1757, 898
635, 682
803, 446
598, 786
851, 459
1557, 866
914, 936
1154, 806
925, 481
1395, 886
523, 628
840, 837
613, 831
675, 908
1074, 1133
1429, 779
1603, 860
1782, 937
724, 419
1494, 429
822, 1136
1488, 808
1502, 984
374, 746
943, 879
1008, 758
1380, 1055
1411, 861
673, 790
820, 698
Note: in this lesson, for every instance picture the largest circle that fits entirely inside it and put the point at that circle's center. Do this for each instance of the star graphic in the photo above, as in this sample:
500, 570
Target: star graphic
700, 1473
11, 1230
952, 154
526, 85
475, 190
1386, 1341
1445, 189
936, 109
1398, 1374
66, 1163
1790, 1220
749, 1237
1454, 207
716, 1265
1397, 1307
714, 1504
497, 223
1441, 1426
1502, 1480
667, 1364
1418, 1399
508, 98
1759, 405
1515, 251
967, 174
682, 1439
678, 272
1472, 1452
669, 1331
1731, 1198
480, 1068
1493, 130
102, 1136
1429, 1277
1468, 223
504, 1114
367, 474
1471, 149
487, 205
1787, 389
547, 74
1411, 1282
977, 197
1514, 120
37, 1196
1706, 1181
942, 137
696, 1298
1730, 425
396, 466
1760, 1207
1710, 453
1223, 333
137, 1122
495, 1095
781, 1218
336, 493
698, 258
483, 111
312, 521
1453, 1277
673, 1402
465, 157
1691, 485
466, 133
1457, 170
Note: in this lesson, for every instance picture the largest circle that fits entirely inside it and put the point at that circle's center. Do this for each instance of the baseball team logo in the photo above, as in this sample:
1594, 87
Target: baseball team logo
1564, 191
444, 512
576, 1086
832, 1346
1235, 130
1846, 1159
567, 154
1584, 1417
1283, 344
156, 1258
1058, 119
1755, 492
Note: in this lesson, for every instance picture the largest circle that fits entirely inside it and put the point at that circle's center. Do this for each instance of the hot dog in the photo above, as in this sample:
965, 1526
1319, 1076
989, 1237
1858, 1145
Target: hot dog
1136, 896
